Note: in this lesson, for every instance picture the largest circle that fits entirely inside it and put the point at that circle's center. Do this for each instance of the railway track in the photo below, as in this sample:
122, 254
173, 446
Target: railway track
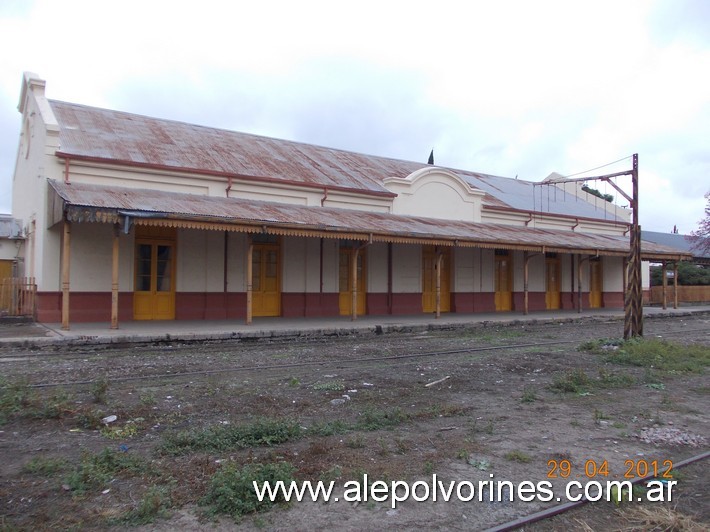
167, 362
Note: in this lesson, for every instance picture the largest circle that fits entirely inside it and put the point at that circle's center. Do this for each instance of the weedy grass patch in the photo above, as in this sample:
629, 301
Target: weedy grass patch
231, 490
96, 470
261, 432
652, 353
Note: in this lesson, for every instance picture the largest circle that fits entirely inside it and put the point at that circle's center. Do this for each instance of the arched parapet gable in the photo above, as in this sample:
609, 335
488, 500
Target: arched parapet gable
435, 192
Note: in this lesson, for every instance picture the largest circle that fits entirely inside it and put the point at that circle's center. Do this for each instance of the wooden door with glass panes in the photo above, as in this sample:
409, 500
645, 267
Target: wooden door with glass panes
154, 281
503, 281
429, 280
345, 281
266, 284
595, 283
552, 293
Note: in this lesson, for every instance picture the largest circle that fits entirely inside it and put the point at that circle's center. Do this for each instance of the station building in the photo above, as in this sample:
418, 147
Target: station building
127, 217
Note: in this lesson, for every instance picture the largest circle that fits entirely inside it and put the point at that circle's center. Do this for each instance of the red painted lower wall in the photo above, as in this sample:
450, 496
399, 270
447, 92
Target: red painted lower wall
96, 306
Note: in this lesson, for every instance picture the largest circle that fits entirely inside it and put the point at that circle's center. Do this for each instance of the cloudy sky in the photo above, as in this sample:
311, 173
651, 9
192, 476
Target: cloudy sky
502, 87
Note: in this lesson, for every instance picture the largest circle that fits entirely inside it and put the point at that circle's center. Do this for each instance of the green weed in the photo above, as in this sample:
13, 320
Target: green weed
231, 490
44, 466
518, 456
228, 437
96, 470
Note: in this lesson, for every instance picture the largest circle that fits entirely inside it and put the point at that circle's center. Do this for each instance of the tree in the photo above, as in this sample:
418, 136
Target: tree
689, 274
700, 238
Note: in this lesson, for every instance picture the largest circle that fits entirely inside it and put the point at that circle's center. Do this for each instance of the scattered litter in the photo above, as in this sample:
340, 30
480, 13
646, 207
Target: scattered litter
447, 428
346, 397
329, 376
224, 422
109, 419
104, 492
123, 448
336, 402
66, 487
352, 391
75, 430
392, 513
437, 382
367, 384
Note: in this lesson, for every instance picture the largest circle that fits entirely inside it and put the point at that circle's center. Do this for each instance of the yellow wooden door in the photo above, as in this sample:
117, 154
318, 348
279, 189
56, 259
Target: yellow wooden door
5, 269
595, 283
345, 281
266, 283
154, 290
503, 283
429, 280
552, 294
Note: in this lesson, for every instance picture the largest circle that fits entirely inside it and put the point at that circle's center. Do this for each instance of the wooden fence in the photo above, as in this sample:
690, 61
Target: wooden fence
18, 296
686, 294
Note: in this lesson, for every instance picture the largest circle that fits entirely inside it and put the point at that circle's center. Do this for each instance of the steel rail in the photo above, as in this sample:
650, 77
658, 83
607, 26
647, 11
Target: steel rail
566, 507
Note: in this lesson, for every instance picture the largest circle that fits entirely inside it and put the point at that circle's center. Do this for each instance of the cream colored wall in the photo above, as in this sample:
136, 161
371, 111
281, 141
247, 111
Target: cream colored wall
236, 262
565, 273
200, 261
406, 268
10, 251
536, 273
331, 264
39, 139
465, 269
612, 273
91, 258
487, 270
294, 264
377, 268
435, 193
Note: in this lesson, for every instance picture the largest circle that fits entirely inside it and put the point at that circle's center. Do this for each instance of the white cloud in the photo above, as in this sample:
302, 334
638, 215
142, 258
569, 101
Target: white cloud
508, 87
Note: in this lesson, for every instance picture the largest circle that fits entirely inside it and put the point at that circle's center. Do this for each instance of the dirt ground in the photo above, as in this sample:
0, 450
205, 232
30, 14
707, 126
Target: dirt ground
512, 402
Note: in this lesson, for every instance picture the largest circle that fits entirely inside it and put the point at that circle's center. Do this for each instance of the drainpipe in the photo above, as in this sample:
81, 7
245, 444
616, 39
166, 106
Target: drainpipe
325, 196
229, 185
66, 170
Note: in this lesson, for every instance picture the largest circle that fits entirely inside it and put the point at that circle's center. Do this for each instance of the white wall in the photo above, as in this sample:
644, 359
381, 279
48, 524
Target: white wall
406, 268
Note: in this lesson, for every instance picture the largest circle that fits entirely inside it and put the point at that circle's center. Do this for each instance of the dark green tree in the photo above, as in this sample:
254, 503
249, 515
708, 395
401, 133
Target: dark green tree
689, 274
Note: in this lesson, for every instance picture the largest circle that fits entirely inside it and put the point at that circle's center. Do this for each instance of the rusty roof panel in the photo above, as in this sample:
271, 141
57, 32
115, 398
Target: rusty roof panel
126, 138
233, 210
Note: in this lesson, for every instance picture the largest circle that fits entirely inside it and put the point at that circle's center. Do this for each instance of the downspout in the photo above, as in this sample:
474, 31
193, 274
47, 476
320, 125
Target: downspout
528, 220
576, 225
229, 185
66, 170
325, 196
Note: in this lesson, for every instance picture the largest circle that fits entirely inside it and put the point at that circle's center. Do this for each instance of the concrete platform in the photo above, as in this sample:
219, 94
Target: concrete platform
27, 335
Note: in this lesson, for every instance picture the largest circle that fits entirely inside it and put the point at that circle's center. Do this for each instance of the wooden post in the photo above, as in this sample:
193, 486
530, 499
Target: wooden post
66, 260
675, 285
250, 268
114, 278
526, 258
437, 266
633, 304
665, 285
353, 282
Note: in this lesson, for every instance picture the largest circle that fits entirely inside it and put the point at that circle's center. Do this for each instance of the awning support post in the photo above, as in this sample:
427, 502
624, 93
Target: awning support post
675, 285
439, 260
664, 271
66, 262
249, 275
114, 277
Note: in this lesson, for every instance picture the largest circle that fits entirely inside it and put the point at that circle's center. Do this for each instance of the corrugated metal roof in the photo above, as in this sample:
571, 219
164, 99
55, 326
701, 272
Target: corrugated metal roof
112, 201
125, 138
672, 240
